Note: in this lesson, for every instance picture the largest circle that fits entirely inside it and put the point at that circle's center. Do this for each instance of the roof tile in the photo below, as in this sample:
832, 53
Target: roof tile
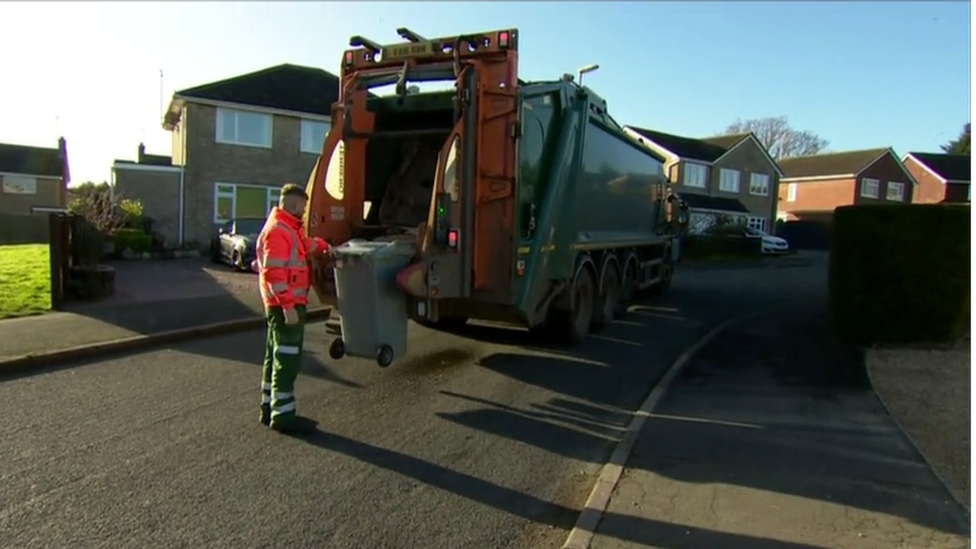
951, 167
286, 87
819, 165
29, 160
685, 147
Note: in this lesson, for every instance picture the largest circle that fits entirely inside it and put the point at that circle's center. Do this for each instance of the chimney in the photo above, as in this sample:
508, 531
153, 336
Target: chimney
65, 171
142, 152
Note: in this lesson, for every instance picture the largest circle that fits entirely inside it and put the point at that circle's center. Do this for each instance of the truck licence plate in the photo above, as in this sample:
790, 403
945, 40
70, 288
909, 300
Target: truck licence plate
421, 49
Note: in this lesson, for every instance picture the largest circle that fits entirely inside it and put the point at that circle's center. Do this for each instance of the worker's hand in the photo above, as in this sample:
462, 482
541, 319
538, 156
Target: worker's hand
291, 316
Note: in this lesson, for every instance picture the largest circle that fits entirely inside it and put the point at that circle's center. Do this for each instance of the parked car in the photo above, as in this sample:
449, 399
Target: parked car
234, 243
770, 244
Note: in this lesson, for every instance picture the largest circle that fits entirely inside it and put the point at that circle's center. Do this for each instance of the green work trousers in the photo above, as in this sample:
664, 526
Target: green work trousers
282, 361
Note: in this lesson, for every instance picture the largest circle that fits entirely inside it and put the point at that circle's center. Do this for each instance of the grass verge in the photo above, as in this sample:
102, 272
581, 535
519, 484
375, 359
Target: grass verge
25, 276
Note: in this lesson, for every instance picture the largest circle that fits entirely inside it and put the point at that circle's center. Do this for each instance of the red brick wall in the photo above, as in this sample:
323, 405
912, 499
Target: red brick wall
817, 196
929, 190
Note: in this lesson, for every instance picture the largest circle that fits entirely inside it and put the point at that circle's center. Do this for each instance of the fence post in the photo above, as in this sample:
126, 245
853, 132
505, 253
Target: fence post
56, 252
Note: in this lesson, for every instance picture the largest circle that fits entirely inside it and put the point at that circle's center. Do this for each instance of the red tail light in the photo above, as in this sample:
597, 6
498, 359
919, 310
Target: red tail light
413, 279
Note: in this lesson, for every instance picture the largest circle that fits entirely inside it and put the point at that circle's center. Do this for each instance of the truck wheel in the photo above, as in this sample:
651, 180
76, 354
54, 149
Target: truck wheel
337, 349
608, 301
573, 325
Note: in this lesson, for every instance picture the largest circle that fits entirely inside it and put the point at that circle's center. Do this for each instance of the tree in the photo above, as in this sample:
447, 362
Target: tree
959, 145
107, 213
780, 139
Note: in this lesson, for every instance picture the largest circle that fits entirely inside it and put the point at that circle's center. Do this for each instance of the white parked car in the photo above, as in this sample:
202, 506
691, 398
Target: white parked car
770, 244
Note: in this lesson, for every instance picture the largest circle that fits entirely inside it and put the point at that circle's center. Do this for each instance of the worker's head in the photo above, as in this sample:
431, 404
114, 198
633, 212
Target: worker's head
293, 200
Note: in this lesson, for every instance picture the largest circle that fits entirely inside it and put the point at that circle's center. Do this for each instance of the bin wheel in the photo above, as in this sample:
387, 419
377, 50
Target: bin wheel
337, 349
384, 356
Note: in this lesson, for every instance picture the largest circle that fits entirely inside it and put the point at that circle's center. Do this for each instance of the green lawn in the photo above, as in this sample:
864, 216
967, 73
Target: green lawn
25, 279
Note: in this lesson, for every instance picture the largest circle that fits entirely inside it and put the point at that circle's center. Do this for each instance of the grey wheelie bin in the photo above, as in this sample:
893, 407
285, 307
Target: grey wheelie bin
373, 310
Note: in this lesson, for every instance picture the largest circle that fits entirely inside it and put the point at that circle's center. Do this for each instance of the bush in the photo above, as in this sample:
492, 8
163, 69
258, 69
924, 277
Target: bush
133, 239
900, 273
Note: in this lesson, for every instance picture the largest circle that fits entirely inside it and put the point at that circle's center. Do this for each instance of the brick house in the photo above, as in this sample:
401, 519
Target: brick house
728, 175
235, 142
941, 177
817, 184
33, 179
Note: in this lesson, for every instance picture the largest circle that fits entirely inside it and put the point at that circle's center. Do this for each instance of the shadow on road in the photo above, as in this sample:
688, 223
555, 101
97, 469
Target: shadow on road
628, 528
585, 436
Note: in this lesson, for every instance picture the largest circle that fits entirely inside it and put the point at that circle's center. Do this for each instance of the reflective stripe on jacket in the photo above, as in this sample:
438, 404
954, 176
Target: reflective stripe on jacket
282, 260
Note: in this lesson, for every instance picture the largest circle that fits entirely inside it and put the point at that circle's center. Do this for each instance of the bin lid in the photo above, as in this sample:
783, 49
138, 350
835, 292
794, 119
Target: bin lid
360, 248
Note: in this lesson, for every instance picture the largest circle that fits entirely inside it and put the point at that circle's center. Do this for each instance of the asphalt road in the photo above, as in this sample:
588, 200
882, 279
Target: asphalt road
472, 441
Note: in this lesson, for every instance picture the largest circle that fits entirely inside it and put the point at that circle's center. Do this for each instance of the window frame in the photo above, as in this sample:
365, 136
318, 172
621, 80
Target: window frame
763, 224
27, 183
722, 180
223, 112
901, 193
791, 190
272, 195
752, 182
686, 176
304, 132
864, 187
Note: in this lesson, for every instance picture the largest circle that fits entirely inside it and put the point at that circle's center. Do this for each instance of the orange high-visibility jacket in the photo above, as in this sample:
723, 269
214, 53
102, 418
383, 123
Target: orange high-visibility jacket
282, 260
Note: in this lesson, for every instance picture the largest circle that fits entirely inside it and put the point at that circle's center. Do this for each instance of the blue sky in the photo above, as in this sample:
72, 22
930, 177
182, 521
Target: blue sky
859, 74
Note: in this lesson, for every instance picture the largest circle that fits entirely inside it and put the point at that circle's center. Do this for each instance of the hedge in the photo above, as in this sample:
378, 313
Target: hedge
900, 273
133, 239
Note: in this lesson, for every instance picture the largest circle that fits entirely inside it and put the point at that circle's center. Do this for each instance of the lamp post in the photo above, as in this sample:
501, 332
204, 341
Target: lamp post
583, 70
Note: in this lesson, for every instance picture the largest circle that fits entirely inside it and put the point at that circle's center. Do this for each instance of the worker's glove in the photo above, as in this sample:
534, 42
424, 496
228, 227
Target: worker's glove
291, 316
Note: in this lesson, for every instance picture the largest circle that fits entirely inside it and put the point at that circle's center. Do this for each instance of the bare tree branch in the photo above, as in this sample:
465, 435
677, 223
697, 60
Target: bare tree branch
779, 138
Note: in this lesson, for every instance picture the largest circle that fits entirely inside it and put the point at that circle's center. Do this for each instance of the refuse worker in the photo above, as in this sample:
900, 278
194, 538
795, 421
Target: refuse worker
282, 263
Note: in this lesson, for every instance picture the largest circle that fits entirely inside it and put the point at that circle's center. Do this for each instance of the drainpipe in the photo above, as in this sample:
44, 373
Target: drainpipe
179, 226
181, 231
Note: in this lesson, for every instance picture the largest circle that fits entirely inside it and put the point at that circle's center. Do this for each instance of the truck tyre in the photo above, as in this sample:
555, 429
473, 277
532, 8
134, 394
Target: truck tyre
608, 301
571, 326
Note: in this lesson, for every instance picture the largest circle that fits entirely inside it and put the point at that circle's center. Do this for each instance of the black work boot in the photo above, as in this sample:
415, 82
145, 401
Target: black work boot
299, 425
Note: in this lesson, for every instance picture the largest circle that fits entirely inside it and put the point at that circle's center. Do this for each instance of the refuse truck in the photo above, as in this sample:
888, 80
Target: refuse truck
526, 202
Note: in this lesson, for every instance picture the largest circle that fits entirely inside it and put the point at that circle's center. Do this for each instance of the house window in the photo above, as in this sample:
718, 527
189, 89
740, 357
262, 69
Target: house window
19, 184
243, 128
895, 191
243, 201
695, 175
313, 135
791, 192
729, 181
759, 184
869, 188
274, 194
758, 223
